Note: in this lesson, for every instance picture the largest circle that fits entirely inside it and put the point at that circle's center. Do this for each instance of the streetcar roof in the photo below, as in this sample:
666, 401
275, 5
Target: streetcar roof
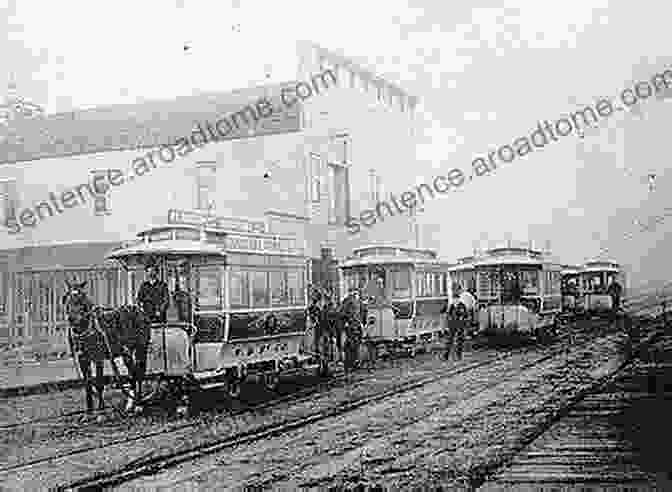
167, 248
601, 265
606, 269
461, 267
571, 269
387, 260
509, 260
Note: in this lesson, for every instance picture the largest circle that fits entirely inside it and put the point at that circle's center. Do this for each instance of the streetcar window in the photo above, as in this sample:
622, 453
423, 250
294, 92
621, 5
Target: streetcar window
296, 287
187, 235
355, 279
437, 285
401, 284
160, 236
529, 281
259, 289
279, 294
419, 284
239, 289
208, 286
430, 284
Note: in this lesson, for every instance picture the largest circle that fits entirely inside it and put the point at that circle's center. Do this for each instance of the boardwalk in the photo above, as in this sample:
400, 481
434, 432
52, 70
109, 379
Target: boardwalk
617, 437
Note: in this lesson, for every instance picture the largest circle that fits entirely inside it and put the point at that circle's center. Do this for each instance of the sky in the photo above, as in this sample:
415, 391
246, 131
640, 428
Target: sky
485, 72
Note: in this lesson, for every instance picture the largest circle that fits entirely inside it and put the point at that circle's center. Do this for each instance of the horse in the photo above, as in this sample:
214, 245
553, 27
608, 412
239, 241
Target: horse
97, 334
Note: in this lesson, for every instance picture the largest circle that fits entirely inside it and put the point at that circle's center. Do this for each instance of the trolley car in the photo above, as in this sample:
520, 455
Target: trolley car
518, 293
408, 289
596, 276
245, 313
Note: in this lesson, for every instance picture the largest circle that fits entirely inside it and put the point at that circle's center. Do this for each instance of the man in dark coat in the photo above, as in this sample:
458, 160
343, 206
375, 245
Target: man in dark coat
351, 312
153, 296
315, 311
615, 290
458, 318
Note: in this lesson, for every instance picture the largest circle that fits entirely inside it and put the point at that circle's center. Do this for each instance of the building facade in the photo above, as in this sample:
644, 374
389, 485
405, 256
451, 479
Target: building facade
303, 170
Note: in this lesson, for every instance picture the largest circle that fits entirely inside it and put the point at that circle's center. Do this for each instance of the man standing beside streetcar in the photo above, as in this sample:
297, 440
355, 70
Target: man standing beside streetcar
351, 312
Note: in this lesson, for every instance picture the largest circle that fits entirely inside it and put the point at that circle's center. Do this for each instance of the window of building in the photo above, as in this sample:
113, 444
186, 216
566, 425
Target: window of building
8, 199
4, 286
380, 93
100, 187
363, 84
205, 185
339, 194
315, 177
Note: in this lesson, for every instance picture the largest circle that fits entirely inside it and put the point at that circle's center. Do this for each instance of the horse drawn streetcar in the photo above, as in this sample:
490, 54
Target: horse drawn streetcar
237, 308
518, 293
407, 289
597, 278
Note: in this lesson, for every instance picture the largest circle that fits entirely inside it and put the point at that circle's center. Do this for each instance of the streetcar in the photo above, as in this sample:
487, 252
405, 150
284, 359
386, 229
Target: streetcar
245, 314
407, 289
518, 292
572, 305
596, 276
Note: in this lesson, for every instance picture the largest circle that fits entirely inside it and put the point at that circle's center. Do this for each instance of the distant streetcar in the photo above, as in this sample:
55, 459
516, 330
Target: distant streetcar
596, 277
406, 288
518, 292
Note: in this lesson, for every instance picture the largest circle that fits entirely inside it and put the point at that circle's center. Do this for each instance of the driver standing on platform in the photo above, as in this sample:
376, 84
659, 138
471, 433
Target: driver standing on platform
615, 290
153, 296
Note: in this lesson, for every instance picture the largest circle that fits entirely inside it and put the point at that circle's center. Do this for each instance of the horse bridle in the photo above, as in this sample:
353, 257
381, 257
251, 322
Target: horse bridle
87, 319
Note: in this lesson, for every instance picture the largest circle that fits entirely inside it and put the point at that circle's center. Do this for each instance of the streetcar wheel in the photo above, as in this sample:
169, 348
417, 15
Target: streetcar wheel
150, 389
233, 389
271, 381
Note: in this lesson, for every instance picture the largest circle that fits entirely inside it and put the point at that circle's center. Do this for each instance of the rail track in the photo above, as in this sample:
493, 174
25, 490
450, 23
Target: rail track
153, 465
606, 437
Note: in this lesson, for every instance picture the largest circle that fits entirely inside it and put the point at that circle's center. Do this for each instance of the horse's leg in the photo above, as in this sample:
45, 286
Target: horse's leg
140, 368
85, 366
100, 383
133, 389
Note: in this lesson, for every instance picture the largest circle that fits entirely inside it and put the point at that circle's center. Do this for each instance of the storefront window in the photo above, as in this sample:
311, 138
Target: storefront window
239, 289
